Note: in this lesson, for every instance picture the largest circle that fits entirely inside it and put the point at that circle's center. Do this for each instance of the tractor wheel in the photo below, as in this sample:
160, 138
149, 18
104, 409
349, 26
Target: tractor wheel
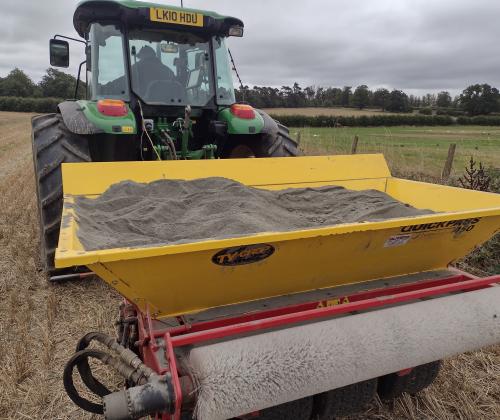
280, 145
297, 410
345, 401
393, 385
52, 144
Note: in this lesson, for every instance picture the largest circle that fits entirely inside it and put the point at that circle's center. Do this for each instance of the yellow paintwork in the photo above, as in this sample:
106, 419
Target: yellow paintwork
179, 279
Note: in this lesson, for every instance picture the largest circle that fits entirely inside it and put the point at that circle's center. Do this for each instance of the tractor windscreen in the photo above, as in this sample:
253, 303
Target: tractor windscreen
171, 68
166, 67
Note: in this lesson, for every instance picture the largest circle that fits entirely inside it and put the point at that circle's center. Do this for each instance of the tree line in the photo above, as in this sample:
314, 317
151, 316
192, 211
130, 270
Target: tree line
54, 84
478, 99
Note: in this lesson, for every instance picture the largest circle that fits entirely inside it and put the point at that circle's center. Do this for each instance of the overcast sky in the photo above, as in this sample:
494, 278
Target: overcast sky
414, 45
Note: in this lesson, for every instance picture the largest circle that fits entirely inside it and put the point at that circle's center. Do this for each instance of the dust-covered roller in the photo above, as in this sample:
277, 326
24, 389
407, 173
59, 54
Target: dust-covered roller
276, 322
248, 374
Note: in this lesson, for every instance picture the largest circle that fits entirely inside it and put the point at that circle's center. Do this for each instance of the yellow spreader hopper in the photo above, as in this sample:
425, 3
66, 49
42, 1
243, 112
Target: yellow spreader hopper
285, 322
180, 279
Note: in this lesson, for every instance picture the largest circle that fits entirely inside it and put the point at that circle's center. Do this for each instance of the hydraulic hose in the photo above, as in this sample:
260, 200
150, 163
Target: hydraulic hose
126, 362
150, 394
126, 355
69, 385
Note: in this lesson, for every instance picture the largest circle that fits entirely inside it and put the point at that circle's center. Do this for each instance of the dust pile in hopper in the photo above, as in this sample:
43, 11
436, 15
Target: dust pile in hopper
165, 212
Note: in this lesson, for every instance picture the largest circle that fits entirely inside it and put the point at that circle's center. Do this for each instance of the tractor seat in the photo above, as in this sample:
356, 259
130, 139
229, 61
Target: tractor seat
165, 91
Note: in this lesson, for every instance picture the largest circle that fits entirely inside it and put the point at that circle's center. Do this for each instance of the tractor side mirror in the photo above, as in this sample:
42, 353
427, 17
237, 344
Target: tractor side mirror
59, 53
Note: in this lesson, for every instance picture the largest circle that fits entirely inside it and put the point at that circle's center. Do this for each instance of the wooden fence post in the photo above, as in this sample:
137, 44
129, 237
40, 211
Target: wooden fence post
298, 137
354, 146
449, 162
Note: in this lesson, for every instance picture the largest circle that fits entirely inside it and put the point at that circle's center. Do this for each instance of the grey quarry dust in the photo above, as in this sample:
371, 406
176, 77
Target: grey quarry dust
166, 212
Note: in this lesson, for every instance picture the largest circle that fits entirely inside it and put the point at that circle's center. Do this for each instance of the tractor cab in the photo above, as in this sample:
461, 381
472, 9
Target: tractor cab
161, 56
168, 66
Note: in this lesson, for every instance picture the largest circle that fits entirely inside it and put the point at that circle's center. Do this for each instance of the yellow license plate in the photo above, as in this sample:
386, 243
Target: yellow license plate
176, 17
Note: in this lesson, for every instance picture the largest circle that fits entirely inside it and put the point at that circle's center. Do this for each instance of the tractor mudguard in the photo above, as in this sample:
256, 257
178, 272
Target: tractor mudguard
75, 119
261, 124
83, 118
239, 126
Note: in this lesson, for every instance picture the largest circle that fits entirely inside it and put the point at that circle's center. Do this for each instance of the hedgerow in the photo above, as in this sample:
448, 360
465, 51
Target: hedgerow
17, 104
479, 120
362, 121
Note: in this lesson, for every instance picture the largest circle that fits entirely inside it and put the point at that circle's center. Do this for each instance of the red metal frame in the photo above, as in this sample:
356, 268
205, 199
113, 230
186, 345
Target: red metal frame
175, 376
196, 333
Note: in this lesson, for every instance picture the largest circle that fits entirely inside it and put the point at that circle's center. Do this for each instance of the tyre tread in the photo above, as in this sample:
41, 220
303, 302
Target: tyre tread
345, 401
53, 144
392, 386
46, 123
297, 410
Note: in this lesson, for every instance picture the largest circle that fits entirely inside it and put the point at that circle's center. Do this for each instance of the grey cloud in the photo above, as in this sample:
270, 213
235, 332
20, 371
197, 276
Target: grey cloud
417, 45
25, 29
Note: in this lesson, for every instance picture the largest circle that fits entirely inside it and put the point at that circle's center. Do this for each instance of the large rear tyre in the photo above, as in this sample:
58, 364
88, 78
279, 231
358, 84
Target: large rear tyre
345, 401
52, 144
393, 385
297, 410
279, 144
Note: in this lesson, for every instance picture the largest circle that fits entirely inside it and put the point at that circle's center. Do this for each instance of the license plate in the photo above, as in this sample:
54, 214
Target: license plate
176, 17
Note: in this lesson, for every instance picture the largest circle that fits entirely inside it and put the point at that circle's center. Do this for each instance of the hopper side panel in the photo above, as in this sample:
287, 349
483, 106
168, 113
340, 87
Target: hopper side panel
441, 198
94, 178
191, 282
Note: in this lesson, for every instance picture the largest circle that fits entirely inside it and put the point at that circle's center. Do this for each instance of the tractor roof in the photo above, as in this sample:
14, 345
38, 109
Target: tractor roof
150, 15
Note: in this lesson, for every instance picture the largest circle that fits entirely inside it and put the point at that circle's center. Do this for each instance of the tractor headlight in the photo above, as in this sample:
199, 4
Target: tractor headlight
236, 31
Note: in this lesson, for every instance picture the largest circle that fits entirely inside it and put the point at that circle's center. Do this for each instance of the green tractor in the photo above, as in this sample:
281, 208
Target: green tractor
158, 87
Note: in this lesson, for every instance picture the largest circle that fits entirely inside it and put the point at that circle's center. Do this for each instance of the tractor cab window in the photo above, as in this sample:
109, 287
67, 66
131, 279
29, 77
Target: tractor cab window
107, 63
170, 68
223, 76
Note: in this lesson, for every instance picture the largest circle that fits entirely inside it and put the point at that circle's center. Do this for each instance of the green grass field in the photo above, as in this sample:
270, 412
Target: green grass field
409, 149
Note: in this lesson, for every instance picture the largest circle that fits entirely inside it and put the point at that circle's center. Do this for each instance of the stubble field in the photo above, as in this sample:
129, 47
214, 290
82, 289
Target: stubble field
40, 323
